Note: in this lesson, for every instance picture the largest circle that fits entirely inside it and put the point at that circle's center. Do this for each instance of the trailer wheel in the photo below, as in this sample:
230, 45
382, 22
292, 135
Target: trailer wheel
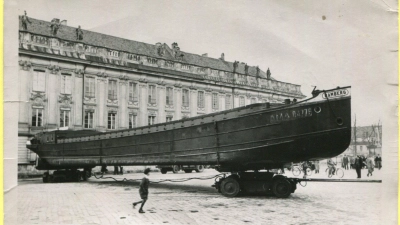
175, 169
46, 177
164, 170
78, 176
199, 168
188, 171
282, 188
230, 187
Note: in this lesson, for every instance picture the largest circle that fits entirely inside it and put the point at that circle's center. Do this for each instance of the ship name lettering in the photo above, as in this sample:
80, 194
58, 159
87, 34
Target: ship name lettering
290, 115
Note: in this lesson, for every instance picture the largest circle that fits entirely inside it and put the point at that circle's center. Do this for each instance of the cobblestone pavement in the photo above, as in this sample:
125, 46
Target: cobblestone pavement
194, 202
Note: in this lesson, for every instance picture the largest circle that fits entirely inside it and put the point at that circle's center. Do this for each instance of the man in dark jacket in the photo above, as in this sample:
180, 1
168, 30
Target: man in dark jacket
143, 190
358, 165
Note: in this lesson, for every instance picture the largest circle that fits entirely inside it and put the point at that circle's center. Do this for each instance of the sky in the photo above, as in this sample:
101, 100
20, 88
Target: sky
311, 43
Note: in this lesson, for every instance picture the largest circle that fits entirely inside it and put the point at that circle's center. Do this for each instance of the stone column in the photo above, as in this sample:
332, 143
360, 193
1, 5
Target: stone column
235, 100
77, 95
25, 83
161, 104
178, 105
122, 106
101, 111
142, 117
208, 102
193, 102
221, 101
52, 93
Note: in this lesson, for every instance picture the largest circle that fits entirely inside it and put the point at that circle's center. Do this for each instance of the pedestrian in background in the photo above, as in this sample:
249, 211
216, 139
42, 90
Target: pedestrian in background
370, 166
345, 162
143, 190
358, 163
378, 161
115, 170
316, 163
352, 161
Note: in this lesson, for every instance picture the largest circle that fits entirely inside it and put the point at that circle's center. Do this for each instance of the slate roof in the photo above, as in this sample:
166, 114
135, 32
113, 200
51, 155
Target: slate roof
68, 33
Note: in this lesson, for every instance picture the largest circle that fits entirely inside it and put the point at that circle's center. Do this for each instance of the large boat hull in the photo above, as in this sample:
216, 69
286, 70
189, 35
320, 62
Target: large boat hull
252, 137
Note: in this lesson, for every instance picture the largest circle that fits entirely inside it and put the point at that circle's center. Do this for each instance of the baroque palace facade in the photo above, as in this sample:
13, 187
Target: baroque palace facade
80, 79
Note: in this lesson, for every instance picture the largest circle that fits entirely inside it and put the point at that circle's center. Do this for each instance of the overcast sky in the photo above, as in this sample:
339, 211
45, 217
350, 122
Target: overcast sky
311, 43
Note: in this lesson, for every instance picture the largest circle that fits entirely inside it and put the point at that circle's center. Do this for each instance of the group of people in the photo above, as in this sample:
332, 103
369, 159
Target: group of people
360, 162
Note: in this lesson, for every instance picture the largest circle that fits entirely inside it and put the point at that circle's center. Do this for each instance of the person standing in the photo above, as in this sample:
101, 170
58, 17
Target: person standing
358, 164
345, 162
316, 163
143, 190
352, 161
379, 162
370, 166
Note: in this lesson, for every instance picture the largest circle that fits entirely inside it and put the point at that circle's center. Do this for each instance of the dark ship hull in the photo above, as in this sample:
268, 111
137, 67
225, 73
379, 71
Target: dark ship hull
254, 137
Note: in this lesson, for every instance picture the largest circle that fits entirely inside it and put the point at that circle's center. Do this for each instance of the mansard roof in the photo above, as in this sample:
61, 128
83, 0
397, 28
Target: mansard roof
68, 33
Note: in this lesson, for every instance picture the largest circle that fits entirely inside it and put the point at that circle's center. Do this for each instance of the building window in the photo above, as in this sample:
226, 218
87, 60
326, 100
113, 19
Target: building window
241, 101
65, 83
169, 119
39, 80
152, 120
90, 87
113, 53
201, 70
152, 94
200, 99
253, 101
169, 64
133, 96
89, 119
185, 67
151, 60
134, 57
37, 117
112, 89
111, 120
64, 118
185, 98
215, 101
91, 49
132, 121
170, 96
227, 102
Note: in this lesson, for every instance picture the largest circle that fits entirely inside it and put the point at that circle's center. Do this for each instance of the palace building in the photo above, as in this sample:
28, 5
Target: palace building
83, 80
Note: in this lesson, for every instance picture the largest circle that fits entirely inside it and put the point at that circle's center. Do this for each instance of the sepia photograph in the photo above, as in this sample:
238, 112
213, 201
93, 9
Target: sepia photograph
200, 112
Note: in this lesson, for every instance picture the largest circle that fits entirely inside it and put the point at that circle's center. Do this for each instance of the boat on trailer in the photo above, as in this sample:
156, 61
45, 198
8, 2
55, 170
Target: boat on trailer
256, 137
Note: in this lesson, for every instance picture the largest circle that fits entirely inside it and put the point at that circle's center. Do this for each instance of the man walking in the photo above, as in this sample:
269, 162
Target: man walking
370, 166
378, 160
143, 190
346, 162
358, 164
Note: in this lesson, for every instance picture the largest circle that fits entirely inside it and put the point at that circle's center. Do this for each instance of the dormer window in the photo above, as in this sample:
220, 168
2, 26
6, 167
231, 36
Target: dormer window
113, 53
151, 60
185, 67
134, 57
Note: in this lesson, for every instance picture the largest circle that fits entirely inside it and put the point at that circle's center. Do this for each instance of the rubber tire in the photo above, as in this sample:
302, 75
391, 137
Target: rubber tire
296, 171
78, 176
46, 178
199, 168
281, 188
175, 169
164, 170
309, 172
339, 173
230, 187
188, 171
